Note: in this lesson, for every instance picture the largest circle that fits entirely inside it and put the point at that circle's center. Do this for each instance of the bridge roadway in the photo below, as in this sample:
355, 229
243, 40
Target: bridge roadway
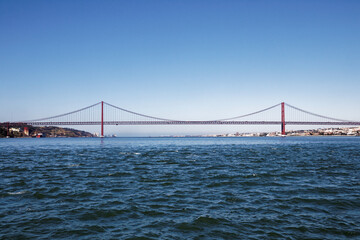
352, 123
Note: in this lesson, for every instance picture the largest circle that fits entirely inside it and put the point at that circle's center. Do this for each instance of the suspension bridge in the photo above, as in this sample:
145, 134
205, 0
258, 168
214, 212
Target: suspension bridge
103, 113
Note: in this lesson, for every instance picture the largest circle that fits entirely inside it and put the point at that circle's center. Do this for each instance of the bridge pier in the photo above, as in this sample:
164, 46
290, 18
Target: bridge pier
283, 119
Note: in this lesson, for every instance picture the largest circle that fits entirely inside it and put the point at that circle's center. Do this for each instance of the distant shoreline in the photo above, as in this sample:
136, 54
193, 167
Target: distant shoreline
57, 132
178, 137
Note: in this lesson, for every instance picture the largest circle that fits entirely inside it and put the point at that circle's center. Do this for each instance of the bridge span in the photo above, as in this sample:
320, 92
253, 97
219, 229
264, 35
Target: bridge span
95, 115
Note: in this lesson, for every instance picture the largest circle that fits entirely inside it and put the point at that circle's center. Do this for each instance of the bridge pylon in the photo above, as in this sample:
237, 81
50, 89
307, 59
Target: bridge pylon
102, 119
283, 119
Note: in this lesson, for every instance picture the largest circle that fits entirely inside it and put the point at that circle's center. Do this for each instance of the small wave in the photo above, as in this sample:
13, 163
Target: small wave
220, 184
102, 213
153, 213
74, 165
19, 184
129, 153
51, 220
235, 200
96, 228
188, 227
119, 174
207, 220
39, 195
17, 193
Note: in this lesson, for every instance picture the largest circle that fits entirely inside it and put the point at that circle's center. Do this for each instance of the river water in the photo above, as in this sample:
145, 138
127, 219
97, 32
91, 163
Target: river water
180, 188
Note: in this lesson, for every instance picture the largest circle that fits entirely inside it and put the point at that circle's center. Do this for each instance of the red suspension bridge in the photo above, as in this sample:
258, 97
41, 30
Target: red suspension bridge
103, 113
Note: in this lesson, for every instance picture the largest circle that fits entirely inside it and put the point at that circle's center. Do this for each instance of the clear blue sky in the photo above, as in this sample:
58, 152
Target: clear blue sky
179, 59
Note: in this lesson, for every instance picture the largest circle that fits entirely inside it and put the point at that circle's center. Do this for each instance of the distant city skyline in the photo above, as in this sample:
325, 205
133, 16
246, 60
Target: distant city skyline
179, 59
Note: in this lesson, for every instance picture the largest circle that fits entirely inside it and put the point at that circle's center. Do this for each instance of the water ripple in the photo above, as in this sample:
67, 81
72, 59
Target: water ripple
255, 188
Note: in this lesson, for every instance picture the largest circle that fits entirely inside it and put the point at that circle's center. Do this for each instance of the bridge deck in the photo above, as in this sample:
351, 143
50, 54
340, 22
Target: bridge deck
185, 123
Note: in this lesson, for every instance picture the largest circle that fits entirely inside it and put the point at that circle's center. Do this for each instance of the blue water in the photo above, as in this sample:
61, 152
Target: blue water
180, 188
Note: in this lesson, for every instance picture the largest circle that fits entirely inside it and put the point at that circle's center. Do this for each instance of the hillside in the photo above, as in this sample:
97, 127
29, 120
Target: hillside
18, 131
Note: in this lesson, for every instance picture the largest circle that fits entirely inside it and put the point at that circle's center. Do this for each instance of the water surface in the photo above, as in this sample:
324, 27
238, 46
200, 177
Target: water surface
180, 188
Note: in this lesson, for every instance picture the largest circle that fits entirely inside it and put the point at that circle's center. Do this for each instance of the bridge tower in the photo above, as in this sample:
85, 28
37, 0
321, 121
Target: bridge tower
283, 118
102, 119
